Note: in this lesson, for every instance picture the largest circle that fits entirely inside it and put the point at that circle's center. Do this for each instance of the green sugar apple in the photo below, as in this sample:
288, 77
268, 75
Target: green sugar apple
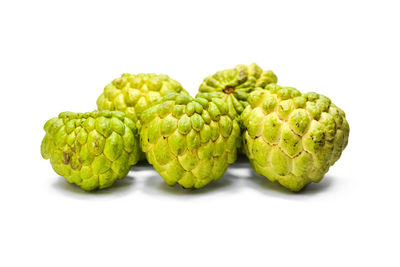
91, 150
133, 93
189, 141
293, 138
235, 85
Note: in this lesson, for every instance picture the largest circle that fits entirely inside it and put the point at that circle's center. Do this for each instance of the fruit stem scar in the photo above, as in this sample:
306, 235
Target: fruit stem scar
229, 89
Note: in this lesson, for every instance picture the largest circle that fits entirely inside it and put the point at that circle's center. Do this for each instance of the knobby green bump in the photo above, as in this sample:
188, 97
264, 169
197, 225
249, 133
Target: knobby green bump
91, 150
134, 93
189, 141
233, 86
293, 138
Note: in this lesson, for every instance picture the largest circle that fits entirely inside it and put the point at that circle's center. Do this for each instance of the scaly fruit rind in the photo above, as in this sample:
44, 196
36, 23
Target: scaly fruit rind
235, 85
93, 149
189, 141
293, 138
134, 93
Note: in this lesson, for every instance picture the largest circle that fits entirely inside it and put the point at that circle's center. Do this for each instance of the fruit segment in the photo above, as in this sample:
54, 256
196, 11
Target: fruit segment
233, 86
189, 141
292, 138
134, 93
91, 150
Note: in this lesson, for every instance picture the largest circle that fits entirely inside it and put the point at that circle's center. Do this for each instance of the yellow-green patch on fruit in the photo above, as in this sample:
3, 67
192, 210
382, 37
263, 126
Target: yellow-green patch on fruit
191, 142
292, 138
93, 149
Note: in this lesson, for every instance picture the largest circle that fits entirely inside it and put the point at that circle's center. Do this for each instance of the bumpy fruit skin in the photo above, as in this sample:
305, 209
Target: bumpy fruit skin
235, 85
134, 93
293, 138
189, 141
91, 150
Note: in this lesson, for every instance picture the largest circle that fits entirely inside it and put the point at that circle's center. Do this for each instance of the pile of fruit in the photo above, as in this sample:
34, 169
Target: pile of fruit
289, 137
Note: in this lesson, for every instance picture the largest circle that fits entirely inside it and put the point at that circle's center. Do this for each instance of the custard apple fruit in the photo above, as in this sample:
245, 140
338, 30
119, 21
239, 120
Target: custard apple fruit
133, 93
189, 141
293, 138
91, 150
235, 85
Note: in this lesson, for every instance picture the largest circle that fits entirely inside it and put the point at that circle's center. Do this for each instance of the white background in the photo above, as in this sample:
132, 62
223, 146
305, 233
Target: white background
57, 56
